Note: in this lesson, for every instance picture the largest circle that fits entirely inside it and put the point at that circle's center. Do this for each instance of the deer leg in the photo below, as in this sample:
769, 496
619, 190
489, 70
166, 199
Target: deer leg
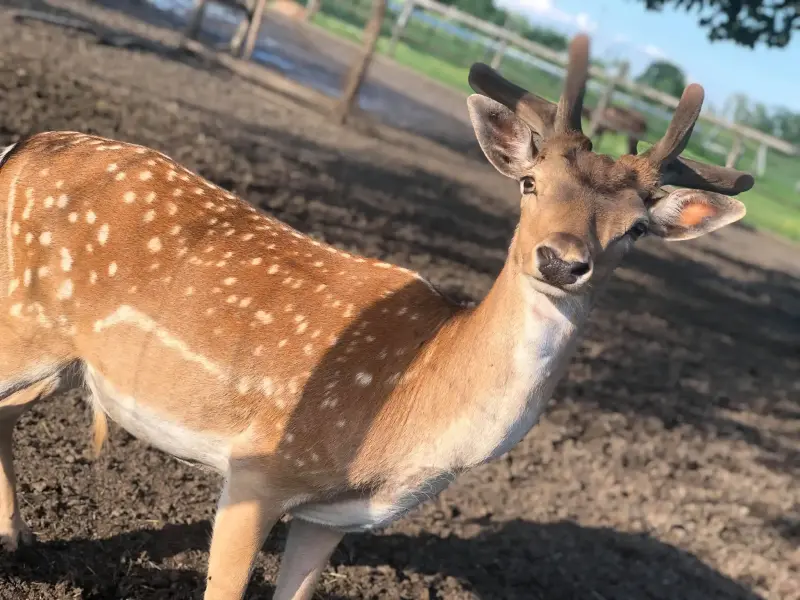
308, 548
13, 530
632, 145
246, 513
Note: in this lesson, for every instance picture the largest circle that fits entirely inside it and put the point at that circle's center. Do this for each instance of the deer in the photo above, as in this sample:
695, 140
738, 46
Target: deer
332, 389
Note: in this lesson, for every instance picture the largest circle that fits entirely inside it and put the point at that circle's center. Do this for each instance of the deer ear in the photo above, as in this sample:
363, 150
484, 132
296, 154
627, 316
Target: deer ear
504, 138
686, 213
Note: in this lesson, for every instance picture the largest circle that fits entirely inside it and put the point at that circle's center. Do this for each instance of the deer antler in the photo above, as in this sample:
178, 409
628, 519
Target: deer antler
544, 117
568, 115
680, 128
547, 119
534, 110
676, 170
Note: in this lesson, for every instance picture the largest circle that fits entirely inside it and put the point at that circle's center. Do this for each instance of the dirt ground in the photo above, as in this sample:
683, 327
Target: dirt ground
667, 464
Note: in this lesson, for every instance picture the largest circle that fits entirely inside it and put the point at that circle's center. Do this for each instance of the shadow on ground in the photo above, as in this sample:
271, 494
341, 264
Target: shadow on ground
518, 559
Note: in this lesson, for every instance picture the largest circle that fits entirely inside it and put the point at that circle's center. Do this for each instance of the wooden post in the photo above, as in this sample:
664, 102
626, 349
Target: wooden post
358, 70
502, 46
195, 22
253, 29
761, 160
498, 55
241, 31
736, 151
605, 99
312, 8
400, 26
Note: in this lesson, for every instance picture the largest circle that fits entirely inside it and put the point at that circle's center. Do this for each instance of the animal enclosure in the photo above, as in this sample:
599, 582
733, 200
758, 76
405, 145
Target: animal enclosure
665, 466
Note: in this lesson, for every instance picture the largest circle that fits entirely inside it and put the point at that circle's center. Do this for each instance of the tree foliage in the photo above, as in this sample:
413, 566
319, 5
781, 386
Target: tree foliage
779, 121
746, 22
664, 76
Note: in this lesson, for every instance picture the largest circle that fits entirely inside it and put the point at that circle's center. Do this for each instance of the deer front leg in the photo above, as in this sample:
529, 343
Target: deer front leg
247, 511
13, 530
308, 548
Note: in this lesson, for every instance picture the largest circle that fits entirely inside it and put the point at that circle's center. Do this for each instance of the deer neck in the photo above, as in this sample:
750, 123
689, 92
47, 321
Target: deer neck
499, 362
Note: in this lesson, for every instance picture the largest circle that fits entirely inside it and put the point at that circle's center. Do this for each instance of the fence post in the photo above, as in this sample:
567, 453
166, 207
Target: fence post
400, 26
252, 30
761, 160
498, 54
195, 21
312, 8
241, 30
736, 151
605, 98
358, 69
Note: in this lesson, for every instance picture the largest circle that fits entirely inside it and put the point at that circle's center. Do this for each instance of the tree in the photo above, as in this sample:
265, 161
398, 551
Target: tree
745, 22
358, 70
787, 124
664, 76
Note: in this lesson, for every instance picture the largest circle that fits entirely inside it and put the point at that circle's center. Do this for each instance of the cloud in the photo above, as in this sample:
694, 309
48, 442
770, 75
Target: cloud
654, 52
546, 10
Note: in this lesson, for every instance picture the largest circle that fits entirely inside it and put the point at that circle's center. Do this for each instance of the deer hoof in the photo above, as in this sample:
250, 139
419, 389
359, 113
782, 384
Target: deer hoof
15, 534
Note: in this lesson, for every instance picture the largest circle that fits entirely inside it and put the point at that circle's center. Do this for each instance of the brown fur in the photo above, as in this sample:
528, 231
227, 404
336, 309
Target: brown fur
301, 300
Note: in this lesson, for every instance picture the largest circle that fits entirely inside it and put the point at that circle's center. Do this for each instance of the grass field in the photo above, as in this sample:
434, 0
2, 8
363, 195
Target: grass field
773, 204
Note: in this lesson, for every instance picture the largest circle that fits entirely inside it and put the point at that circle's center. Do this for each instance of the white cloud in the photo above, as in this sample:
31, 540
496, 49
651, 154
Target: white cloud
653, 51
546, 10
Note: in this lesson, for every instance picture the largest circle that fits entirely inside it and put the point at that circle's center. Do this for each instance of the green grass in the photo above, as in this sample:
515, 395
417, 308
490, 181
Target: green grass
772, 204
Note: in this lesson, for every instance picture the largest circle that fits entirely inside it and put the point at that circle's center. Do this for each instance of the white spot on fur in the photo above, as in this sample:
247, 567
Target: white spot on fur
66, 260
363, 379
264, 317
65, 290
102, 234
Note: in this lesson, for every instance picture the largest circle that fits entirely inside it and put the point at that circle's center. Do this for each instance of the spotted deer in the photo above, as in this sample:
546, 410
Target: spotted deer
338, 389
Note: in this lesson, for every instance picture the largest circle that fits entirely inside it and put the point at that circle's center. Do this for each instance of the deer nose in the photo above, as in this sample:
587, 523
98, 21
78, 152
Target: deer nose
563, 259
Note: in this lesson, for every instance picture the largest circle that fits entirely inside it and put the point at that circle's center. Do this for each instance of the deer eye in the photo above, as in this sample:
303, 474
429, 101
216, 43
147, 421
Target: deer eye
638, 230
527, 185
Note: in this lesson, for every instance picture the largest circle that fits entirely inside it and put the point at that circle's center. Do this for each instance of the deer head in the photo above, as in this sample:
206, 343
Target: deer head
582, 211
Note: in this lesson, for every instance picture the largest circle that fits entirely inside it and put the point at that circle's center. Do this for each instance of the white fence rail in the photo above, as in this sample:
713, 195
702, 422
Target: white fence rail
507, 38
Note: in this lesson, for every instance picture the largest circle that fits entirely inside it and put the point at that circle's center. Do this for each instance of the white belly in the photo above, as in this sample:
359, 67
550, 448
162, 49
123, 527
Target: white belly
364, 514
148, 426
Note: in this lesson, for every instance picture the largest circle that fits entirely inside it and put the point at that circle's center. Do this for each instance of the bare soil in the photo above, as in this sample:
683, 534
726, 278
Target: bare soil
667, 464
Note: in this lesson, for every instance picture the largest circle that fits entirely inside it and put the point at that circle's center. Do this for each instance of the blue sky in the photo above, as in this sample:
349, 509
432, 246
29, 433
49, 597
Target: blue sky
624, 29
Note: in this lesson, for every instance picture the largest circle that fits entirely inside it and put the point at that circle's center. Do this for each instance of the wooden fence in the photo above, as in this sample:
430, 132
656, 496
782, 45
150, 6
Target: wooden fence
611, 80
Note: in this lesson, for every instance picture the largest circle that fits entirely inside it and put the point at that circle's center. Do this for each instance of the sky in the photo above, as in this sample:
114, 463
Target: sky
624, 29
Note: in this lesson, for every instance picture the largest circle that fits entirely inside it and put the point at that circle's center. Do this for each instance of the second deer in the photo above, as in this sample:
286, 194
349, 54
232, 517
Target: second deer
339, 389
